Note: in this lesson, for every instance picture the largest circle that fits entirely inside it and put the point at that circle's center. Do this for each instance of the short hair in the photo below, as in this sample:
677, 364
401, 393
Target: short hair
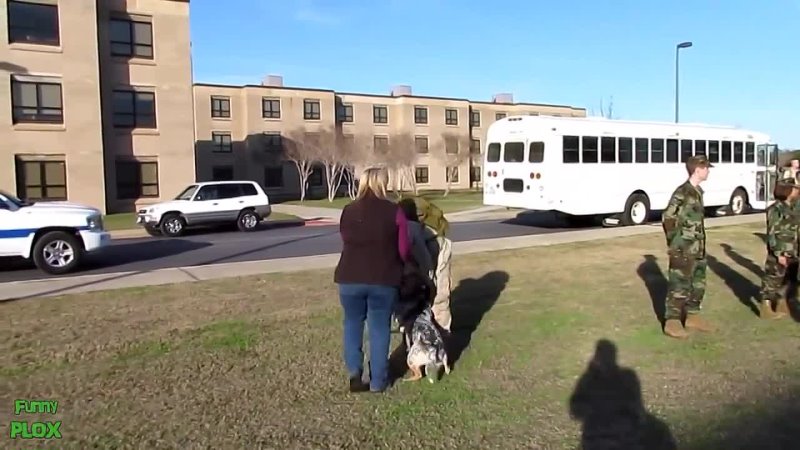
695, 163
782, 191
409, 208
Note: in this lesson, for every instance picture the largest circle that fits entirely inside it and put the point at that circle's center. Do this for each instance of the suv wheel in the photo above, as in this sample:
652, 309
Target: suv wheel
247, 221
172, 225
57, 253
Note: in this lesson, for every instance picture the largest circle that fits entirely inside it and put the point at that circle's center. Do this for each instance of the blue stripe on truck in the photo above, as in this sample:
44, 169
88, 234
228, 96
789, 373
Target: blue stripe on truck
25, 232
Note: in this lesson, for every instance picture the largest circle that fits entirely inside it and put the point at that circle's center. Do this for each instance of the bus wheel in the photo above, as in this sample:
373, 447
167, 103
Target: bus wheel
637, 210
738, 202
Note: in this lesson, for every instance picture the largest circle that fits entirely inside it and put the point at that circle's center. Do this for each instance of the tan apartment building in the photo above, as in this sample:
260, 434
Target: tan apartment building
246, 132
98, 101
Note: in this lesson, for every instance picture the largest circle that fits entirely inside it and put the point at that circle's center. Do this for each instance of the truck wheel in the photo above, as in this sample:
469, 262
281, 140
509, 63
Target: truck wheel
738, 202
247, 221
637, 210
172, 225
57, 253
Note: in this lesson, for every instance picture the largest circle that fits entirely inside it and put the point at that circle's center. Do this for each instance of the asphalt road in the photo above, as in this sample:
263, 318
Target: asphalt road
271, 242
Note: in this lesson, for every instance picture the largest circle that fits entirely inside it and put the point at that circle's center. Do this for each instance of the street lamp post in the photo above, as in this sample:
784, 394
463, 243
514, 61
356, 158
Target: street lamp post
677, 53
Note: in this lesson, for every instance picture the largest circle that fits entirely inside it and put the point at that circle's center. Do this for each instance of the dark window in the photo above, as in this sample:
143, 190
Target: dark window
726, 151
131, 38
625, 150
514, 152
420, 115
642, 150
451, 117
316, 178
608, 149
273, 142
700, 148
222, 142
499, 116
270, 108
380, 114
248, 190
657, 150
220, 107
451, 146
493, 152
345, 113
222, 173
134, 109
713, 151
36, 102
421, 143
589, 149
749, 152
738, 152
475, 146
273, 177
686, 149
421, 174
41, 180
380, 144
451, 174
311, 110
475, 174
672, 151
136, 179
33, 23
571, 151
536, 153
475, 119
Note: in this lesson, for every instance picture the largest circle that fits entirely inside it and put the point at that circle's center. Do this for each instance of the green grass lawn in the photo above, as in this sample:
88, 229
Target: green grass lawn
256, 362
456, 200
127, 221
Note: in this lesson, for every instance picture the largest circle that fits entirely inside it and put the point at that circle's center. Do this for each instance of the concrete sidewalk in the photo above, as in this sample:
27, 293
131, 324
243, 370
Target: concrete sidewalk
88, 283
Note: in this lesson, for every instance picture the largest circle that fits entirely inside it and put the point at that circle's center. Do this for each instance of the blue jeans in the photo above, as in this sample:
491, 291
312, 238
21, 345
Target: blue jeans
373, 303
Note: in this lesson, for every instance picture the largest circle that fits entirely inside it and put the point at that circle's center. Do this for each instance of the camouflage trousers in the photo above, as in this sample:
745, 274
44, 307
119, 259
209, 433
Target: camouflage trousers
773, 280
686, 285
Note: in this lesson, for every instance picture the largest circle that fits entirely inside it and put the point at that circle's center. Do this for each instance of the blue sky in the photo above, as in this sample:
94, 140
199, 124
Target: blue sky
743, 69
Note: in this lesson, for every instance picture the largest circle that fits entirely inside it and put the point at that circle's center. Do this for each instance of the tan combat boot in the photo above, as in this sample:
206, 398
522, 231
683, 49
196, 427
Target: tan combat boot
695, 322
782, 309
674, 329
766, 312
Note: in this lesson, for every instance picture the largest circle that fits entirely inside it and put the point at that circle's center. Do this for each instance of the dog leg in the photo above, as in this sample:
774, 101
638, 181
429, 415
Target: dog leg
416, 373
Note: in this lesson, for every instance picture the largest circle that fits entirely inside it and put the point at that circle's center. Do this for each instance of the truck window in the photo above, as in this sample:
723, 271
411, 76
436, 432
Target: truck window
493, 152
536, 154
571, 150
514, 152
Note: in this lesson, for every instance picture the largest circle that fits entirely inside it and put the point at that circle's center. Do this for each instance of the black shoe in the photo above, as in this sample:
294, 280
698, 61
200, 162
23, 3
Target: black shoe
358, 385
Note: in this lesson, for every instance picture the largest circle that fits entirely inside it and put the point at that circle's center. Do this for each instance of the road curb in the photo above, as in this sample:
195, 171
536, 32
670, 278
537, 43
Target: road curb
86, 283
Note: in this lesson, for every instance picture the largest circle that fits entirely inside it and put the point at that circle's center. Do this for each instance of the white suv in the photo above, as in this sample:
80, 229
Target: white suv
55, 234
217, 202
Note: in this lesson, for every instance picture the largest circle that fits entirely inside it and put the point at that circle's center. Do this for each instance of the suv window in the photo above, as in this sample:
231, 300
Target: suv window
228, 191
247, 189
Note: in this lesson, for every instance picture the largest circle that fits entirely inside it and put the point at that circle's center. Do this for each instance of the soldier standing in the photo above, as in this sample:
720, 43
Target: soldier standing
781, 248
684, 227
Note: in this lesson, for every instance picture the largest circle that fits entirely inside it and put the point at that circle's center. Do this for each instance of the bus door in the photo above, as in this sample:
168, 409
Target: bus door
766, 175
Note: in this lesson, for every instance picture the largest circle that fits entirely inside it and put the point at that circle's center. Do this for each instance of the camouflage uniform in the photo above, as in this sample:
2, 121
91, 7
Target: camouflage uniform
781, 241
684, 226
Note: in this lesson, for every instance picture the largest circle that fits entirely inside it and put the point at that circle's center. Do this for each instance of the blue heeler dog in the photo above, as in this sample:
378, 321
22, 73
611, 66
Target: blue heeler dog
425, 348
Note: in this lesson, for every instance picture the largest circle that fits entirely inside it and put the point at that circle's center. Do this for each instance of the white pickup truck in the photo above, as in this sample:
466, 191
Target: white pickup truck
56, 235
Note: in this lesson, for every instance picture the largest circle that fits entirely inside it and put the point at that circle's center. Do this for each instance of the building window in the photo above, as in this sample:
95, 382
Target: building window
451, 146
451, 117
220, 107
421, 144
137, 179
222, 142
32, 23
134, 109
421, 175
311, 110
345, 113
475, 147
316, 178
475, 118
420, 115
273, 177
499, 116
381, 144
36, 102
273, 143
41, 180
452, 174
270, 108
380, 114
222, 173
131, 38
475, 174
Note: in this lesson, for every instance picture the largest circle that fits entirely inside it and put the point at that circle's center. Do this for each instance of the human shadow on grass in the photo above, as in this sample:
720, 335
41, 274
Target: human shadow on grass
656, 284
469, 303
742, 260
607, 400
744, 289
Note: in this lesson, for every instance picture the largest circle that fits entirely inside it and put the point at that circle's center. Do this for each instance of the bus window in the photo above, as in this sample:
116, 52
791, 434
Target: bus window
493, 152
514, 152
700, 148
657, 150
589, 149
686, 149
536, 154
726, 152
642, 149
608, 149
749, 152
625, 150
672, 150
713, 151
571, 151
738, 152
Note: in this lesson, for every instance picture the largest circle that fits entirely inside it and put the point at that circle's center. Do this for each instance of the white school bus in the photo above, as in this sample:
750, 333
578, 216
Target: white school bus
622, 170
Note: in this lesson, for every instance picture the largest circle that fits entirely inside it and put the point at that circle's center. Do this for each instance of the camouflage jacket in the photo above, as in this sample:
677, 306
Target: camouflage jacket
781, 230
684, 221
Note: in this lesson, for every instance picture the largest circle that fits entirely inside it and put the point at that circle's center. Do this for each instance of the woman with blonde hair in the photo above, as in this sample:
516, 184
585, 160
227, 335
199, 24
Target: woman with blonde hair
375, 247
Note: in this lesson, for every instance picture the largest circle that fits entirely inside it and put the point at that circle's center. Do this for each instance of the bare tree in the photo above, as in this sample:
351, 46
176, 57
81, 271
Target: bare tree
304, 150
453, 152
606, 109
340, 160
400, 157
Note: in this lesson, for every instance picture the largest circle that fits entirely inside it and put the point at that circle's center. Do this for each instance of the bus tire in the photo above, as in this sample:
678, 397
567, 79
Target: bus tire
637, 210
738, 202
